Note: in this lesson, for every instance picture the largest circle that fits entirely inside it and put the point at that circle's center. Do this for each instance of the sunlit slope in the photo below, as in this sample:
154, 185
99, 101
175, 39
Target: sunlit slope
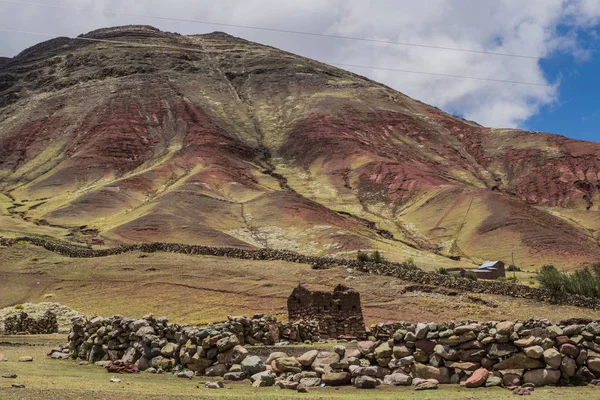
211, 139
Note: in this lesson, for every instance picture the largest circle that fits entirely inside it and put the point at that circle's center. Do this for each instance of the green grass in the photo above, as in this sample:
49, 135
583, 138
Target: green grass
45, 378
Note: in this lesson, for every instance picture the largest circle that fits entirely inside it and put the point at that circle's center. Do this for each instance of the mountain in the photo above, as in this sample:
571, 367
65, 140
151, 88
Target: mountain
131, 134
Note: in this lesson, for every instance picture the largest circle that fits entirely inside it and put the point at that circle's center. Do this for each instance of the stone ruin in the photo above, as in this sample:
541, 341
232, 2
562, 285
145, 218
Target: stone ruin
21, 323
338, 313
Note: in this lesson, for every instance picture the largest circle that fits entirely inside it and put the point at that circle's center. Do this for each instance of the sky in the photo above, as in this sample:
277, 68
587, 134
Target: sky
558, 39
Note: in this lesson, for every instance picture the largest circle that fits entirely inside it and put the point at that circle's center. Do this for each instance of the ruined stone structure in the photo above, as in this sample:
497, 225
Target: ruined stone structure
22, 323
338, 313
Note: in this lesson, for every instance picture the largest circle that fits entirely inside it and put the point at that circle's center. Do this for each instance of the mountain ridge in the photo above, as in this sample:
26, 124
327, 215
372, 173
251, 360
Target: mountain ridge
236, 143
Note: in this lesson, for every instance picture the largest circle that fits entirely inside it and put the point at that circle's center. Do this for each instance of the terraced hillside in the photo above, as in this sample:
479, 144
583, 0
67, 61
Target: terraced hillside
132, 134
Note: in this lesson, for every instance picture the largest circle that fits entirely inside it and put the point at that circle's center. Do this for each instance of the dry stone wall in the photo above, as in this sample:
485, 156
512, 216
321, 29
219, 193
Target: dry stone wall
384, 268
507, 353
21, 323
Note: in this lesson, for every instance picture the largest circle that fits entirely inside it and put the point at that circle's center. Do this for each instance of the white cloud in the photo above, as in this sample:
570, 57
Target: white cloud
535, 27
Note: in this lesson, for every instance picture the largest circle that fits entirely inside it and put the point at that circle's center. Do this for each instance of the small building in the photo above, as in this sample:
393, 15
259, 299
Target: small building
338, 313
490, 270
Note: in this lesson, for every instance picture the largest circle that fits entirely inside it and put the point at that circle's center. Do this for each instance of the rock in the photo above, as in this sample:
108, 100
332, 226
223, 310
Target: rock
365, 382
275, 355
307, 358
593, 364
323, 360
288, 364
463, 366
262, 379
401, 351
442, 375
214, 385
26, 359
519, 361
186, 373
446, 352
493, 381
226, 343
477, 378
512, 377
114, 380
501, 350
252, 365
553, 358
18, 386
568, 367
370, 371
3, 358
168, 350
9, 376
426, 385
337, 378
57, 355
542, 377
525, 342
397, 379
216, 370
535, 352
234, 376
340, 350
383, 354
554, 331
366, 347
505, 328
310, 382
233, 356
421, 331
569, 350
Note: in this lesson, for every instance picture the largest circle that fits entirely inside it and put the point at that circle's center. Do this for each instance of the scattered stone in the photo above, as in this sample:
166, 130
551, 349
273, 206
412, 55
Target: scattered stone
18, 386
9, 376
186, 373
3, 358
253, 365
426, 385
214, 385
114, 380
397, 379
26, 359
477, 378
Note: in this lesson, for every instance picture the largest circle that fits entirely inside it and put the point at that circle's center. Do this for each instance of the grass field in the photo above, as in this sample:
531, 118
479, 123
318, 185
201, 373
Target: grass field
49, 379
200, 289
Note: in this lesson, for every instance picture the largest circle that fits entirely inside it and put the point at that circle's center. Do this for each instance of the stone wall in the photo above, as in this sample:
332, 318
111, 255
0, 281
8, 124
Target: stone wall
504, 353
21, 323
384, 268
339, 313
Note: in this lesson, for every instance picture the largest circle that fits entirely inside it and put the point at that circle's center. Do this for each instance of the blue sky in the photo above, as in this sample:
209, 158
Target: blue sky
576, 113
564, 31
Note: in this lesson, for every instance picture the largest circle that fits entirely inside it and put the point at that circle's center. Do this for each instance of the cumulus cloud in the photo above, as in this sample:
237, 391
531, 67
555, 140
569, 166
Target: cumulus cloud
537, 28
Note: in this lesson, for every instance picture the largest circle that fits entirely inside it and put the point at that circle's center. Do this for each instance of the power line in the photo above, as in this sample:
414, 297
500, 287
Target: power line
138, 44
421, 45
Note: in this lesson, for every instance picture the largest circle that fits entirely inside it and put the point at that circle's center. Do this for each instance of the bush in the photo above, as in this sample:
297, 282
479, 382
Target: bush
512, 268
585, 282
409, 264
376, 257
471, 275
442, 271
362, 256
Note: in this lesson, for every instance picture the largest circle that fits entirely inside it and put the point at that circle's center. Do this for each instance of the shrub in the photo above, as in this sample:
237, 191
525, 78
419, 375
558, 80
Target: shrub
376, 257
409, 264
585, 282
512, 268
442, 271
19, 306
471, 275
362, 256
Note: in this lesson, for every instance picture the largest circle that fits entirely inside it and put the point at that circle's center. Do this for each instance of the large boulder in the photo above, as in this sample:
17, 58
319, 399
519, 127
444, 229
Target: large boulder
397, 379
477, 378
323, 361
287, 364
542, 377
383, 354
365, 382
519, 361
307, 358
553, 358
336, 378
275, 355
442, 375
253, 365
568, 367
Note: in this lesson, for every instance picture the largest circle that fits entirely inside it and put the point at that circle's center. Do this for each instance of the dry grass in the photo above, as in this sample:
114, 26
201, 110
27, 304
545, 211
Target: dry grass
200, 289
